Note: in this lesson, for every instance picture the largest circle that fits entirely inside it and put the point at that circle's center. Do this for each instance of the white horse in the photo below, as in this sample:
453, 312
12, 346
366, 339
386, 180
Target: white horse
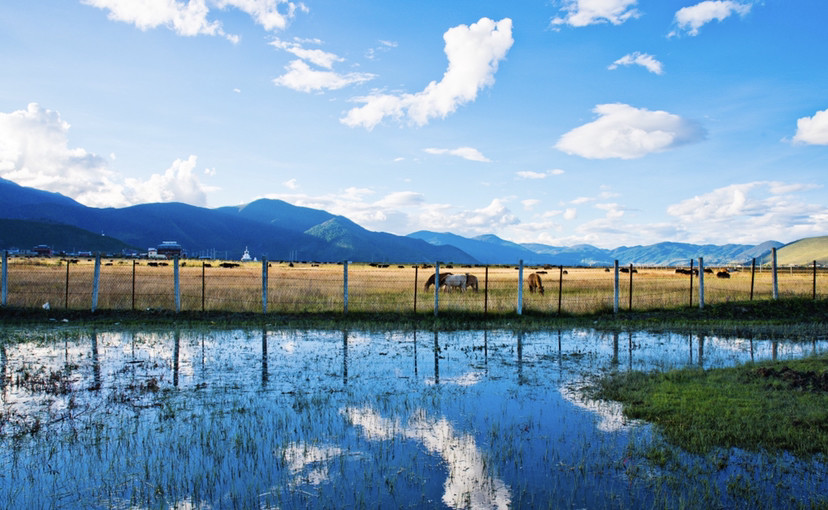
455, 280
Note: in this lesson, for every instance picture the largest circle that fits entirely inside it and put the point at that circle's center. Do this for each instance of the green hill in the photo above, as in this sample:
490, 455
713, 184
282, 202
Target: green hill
25, 234
804, 252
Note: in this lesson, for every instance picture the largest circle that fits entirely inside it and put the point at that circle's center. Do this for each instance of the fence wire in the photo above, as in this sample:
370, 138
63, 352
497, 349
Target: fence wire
383, 288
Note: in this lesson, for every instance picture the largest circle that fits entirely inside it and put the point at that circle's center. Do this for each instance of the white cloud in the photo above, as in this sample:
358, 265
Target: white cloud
528, 174
301, 77
291, 184
626, 132
570, 214
315, 56
812, 130
34, 152
474, 53
580, 13
645, 60
691, 19
191, 18
530, 203
469, 153
736, 213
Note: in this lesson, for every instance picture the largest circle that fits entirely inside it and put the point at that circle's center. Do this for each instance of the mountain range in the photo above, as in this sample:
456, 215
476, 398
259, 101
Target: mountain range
280, 231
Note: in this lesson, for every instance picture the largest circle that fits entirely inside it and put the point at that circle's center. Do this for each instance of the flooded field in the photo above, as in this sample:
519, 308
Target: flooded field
321, 419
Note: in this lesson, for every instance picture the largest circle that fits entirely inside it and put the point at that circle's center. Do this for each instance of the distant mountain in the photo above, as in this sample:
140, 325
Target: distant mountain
486, 249
281, 231
803, 252
268, 228
346, 237
25, 234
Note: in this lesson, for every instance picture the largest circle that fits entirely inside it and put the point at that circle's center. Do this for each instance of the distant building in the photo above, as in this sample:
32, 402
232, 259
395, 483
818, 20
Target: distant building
246, 256
170, 249
42, 250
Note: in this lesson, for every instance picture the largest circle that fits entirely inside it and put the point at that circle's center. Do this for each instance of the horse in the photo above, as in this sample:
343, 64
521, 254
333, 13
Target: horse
430, 280
535, 283
471, 281
454, 280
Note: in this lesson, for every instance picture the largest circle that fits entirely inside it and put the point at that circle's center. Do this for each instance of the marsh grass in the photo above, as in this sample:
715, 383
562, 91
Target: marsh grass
773, 406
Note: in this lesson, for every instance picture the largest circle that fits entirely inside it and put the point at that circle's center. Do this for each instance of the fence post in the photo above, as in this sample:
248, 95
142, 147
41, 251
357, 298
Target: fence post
560, 287
691, 283
133, 284
631, 278
701, 283
96, 281
345, 287
775, 276
752, 276
486, 293
66, 290
615, 289
814, 294
203, 285
177, 285
436, 287
520, 288
416, 278
5, 277
264, 284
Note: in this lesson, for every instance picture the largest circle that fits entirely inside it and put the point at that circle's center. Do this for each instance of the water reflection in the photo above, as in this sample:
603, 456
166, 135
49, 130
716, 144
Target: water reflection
469, 483
291, 413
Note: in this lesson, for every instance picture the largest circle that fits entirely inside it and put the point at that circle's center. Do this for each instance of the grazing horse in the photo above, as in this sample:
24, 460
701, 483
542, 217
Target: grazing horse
430, 280
455, 280
471, 281
535, 283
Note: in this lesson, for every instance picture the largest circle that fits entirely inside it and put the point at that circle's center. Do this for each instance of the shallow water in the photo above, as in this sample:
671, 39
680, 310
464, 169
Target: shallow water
296, 419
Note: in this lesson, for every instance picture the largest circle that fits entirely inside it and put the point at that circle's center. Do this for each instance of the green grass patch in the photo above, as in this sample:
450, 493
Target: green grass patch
772, 406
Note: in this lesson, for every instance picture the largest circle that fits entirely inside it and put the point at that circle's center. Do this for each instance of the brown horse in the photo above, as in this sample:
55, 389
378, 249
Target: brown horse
535, 283
471, 281
430, 280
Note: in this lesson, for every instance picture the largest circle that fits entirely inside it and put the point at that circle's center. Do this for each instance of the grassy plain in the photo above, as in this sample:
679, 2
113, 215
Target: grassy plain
319, 288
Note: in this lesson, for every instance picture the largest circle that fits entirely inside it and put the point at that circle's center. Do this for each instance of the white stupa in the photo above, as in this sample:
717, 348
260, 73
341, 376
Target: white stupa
246, 256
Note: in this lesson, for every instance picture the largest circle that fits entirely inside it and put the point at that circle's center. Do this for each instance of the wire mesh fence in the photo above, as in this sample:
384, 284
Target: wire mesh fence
289, 287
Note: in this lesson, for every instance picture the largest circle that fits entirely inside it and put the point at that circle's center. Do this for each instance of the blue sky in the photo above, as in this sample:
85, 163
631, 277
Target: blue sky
608, 122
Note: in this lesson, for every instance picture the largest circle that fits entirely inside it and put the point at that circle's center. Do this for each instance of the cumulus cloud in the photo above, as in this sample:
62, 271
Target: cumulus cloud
35, 152
735, 213
469, 153
301, 77
316, 56
626, 132
580, 13
644, 60
528, 174
190, 18
474, 53
690, 19
812, 130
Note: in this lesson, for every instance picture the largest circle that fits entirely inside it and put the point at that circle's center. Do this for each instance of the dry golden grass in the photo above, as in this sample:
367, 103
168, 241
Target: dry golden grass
127, 284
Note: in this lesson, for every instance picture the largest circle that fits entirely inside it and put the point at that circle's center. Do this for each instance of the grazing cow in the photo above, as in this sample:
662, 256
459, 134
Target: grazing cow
723, 274
471, 281
430, 280
454, 280
535, 283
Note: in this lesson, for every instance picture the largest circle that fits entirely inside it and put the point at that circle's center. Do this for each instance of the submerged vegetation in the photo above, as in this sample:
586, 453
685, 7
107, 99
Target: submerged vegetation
774, 406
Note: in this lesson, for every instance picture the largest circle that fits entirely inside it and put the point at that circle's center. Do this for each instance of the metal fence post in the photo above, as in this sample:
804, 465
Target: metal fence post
691, 283
133, 284
436, 287
203, 285
520, 288
701, 283
416, 274
66, 290
96, 282
814, 293
775, 276
560, 287
264, 284
345, 286
631, 285
752, 276
5, 277
177, 285
616, 288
